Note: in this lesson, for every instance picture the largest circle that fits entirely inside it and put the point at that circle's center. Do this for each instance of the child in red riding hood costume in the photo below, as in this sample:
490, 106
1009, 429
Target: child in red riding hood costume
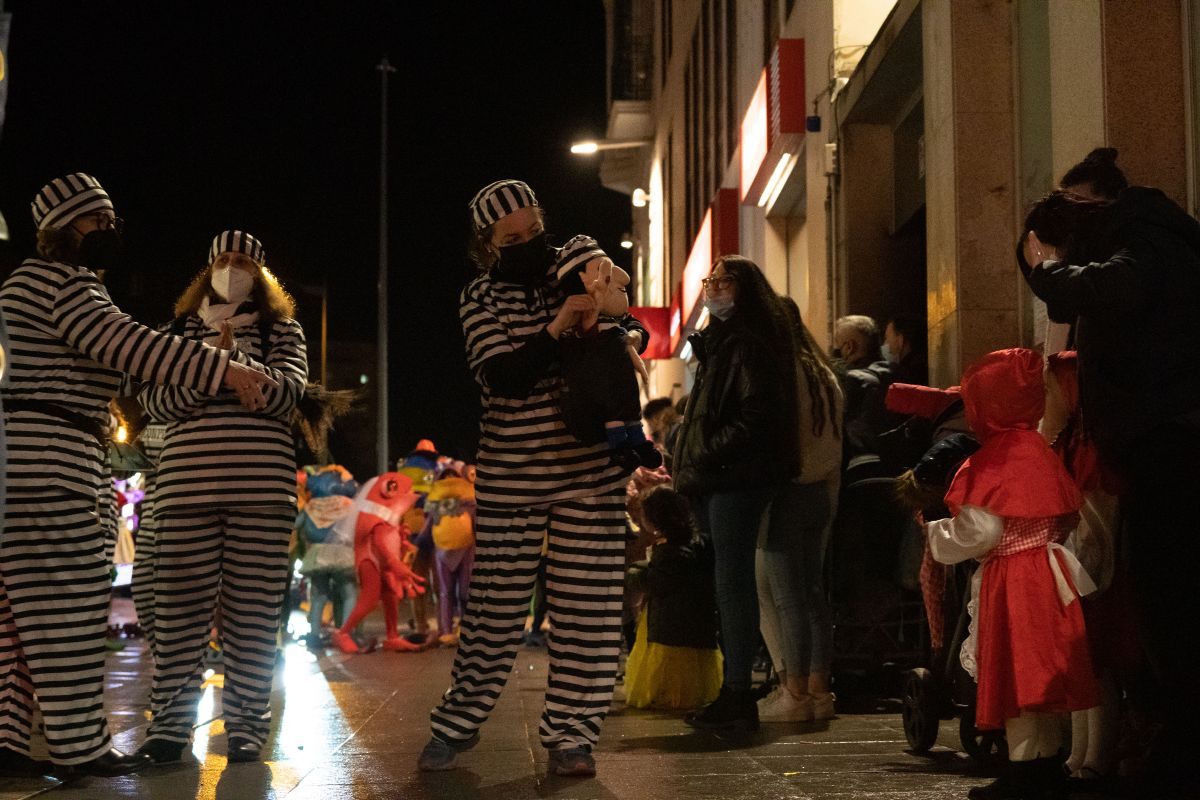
1013, 505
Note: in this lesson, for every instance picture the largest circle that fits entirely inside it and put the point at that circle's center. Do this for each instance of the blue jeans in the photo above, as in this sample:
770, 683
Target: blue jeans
793, 563
731, 520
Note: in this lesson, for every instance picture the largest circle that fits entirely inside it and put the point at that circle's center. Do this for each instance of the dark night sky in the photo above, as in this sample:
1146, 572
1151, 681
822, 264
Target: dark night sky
265, 116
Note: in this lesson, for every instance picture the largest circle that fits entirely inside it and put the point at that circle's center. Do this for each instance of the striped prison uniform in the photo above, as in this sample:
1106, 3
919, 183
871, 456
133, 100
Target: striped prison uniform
224, 505
70, 346
143, 548
536, 482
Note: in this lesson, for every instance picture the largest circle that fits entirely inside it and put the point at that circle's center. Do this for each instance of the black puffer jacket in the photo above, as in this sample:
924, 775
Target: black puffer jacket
735, 430
1136, 314
682, 606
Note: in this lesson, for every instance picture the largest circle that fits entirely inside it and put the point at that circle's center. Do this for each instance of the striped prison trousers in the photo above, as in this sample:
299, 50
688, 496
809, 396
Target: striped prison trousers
54, 597
234, 561
585, 571
143, 578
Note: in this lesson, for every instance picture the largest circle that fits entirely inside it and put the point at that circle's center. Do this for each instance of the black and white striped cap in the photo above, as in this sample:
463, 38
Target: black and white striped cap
237, 242
577, 252
498, 200
64, 199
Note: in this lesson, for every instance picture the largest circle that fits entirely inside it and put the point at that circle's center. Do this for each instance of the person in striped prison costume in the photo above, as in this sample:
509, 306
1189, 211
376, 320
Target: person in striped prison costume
224, 504
69, 350
535, 482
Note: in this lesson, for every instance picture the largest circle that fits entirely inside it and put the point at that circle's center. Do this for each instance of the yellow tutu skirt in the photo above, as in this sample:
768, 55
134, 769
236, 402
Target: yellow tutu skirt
662, 676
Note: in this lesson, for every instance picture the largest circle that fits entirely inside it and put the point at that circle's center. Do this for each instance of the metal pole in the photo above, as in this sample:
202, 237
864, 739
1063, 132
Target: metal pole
381, 345
324, 331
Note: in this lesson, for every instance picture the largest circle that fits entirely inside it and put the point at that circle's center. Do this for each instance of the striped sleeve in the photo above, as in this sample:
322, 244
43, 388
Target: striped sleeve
169, 403
287, 363
486, 336
87, 320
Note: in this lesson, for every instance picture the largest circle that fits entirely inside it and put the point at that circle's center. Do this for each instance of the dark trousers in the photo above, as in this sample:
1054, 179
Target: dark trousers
1161, 551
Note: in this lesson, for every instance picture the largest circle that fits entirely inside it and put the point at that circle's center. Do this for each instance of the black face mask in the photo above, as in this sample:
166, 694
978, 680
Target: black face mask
526, 263
101, 250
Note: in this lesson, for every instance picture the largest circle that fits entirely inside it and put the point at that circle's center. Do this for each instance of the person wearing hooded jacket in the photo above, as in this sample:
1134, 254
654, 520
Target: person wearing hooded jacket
71, 349
1125, 271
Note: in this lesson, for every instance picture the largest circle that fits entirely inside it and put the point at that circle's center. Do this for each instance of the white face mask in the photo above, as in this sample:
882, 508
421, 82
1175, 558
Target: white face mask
232, 283
721, 308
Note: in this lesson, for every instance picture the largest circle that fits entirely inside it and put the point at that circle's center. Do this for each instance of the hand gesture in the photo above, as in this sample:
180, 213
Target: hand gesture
226, 340
573, 310
1036, 251
248, 383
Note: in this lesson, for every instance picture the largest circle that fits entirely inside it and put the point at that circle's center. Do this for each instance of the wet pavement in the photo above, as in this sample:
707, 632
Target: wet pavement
350, 728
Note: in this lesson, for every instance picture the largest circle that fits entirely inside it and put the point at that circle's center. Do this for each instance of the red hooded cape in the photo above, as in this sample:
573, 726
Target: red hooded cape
1014, 473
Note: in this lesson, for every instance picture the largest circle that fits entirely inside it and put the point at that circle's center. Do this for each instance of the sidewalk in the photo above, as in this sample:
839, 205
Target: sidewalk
350, 728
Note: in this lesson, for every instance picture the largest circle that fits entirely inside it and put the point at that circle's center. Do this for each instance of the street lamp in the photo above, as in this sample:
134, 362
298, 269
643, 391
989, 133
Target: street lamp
591, 147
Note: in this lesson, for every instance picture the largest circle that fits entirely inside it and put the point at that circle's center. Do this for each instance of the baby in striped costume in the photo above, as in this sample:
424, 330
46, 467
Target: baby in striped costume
600, 401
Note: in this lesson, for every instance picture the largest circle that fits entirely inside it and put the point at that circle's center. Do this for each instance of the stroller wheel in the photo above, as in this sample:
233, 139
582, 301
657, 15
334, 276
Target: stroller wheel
921, 710
985, 747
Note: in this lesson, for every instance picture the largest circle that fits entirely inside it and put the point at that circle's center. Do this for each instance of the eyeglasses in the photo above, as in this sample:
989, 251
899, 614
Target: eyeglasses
717, 282
105, 221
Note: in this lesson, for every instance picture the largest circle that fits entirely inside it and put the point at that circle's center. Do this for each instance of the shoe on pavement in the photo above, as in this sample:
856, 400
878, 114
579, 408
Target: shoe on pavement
440, 755
19, 765
822, 705
161, 751
108, 765
783, 706
242, 750
733, 709
572, 762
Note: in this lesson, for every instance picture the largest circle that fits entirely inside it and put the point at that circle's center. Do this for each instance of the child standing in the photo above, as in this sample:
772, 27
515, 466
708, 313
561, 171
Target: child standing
675, 663
1013, 505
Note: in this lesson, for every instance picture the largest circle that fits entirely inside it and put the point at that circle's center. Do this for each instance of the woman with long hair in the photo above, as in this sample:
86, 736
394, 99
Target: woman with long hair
735, 451
791, 558
225, 501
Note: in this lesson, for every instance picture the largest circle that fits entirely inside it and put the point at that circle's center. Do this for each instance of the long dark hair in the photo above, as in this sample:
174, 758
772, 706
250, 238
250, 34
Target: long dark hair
815, 369
758, 305
760, 310
1080, 228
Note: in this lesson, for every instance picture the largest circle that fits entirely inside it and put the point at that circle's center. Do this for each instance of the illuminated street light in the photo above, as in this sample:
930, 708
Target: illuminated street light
641, 198
627, 242
591, 147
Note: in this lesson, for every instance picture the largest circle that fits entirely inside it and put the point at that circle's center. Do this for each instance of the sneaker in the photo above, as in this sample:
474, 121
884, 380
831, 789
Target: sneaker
535, 639
822, 705
440, 755
783, 706
733, 709
572, 762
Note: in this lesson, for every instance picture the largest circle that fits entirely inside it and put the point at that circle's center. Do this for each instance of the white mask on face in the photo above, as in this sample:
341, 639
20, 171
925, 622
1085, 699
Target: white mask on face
233, 284
721, 308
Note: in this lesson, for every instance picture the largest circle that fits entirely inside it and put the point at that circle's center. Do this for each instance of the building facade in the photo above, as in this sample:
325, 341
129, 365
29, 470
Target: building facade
878, 156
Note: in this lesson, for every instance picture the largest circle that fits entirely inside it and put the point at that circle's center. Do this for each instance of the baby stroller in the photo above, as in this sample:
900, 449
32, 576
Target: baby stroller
941, 689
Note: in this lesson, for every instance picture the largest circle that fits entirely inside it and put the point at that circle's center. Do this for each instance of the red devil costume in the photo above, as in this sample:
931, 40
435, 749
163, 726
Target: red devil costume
1013, 505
